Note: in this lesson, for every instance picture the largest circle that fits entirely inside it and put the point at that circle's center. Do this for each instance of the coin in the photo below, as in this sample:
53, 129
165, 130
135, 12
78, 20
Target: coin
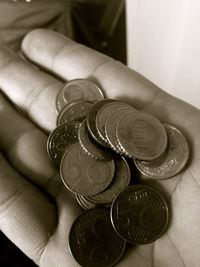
60, 103
84, 203
91, 147
93, 241
121, 179
60, 139
111, 129
103, 114
137, 133
84, 175
76, 111
78, 90
91, 120
139, 214
172, 161
79, 201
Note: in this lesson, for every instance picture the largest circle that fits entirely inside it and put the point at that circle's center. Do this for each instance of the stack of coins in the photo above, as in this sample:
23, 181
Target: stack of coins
91, 145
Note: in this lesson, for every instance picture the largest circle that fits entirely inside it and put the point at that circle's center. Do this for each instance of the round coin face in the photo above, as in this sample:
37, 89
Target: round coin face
172, 161
93, 241
121, 180
76, 111
78, 90
84, 175
139, 214
141, 135
91, 147
61, 139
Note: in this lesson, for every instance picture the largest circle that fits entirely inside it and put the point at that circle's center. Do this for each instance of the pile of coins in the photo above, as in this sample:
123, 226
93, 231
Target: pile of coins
93, 144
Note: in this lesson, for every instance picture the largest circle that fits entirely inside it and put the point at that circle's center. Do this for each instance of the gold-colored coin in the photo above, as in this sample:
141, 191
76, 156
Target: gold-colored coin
76, 111
121, 179
104, 112
141, 135
172, 161
78, 90
91, 147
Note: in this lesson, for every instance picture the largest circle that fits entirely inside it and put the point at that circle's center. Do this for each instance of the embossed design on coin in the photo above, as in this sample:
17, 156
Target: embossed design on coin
172, 161
120, 181
78, 90
139, 214
137, 133
84, 175
76, 111
60, 139
91, 120
103, 114
93, 241
91, 147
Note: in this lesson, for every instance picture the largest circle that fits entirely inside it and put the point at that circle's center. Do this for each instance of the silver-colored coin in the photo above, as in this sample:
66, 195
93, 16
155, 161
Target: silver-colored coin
172, 161
121, 179
76, 111
93, 241
111, 129
91, 147
84, 175
141, 135
139, 214
61, 139
103, 114
91, 120
78, 90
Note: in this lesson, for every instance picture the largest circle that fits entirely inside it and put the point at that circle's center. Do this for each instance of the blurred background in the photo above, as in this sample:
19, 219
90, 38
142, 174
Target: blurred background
163, 44
99, 24
159, 39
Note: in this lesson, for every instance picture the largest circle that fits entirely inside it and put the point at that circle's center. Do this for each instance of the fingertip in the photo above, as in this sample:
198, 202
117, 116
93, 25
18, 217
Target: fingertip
28, 38
34, 43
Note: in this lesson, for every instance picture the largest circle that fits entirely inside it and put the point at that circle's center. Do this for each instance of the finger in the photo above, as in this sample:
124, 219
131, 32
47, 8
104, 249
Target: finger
29, 88
27, 217
25, 146
69, 60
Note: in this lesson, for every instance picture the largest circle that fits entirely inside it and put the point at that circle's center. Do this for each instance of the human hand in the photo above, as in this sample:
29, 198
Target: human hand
36, 210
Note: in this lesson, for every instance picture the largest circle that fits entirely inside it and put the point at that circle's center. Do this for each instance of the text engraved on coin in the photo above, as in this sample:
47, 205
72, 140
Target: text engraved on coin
139, 214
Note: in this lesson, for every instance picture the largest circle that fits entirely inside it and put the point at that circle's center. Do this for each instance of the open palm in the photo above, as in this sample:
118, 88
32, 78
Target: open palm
36, 211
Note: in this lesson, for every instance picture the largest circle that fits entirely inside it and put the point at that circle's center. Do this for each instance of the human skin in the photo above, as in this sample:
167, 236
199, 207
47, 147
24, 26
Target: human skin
36, 210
